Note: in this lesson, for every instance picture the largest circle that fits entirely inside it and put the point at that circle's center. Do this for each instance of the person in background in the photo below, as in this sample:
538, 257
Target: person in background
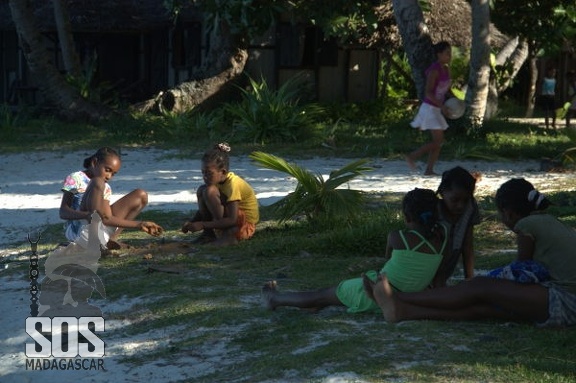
227, 206
548, 98
430, 113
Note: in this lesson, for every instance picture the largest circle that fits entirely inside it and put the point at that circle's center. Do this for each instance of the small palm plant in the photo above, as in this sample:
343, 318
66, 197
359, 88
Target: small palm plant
267, 115
321, 201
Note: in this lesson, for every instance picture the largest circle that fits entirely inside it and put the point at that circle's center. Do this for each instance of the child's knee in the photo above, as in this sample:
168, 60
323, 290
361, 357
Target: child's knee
142, 196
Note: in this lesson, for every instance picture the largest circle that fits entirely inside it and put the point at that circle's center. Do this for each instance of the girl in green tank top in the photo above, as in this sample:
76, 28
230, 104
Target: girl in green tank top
414, 256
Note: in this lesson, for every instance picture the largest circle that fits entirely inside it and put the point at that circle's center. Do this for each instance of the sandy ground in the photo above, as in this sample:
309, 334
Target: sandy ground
30, 196
30, 182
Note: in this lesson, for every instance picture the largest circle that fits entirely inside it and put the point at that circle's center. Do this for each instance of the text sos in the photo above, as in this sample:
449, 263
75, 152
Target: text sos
65, 337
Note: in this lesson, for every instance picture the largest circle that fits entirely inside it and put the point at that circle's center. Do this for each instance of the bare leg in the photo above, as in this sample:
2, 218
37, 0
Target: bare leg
431, 148
304, 299
434, 153
368, 285
127, 207
410, 161
209, 208
478, 298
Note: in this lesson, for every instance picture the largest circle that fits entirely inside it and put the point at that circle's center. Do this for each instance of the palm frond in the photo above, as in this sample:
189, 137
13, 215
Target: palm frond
347, 173
304, 177
318, 199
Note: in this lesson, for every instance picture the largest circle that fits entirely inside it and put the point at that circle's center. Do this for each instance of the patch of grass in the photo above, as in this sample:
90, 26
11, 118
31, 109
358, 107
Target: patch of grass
209, 318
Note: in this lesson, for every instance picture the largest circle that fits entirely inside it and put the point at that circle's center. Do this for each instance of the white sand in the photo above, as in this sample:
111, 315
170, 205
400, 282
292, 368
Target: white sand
30, 196
30, 182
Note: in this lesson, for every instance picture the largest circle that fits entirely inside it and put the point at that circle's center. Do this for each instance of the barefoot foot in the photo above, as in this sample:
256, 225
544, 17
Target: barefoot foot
116, 245
384, 296
269, 291
368, 286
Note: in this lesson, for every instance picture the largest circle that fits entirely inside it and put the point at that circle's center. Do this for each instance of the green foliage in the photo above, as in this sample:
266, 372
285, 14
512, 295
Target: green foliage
318, 199
89, 88
459, 67
265, 115
245, 18
541, 23
9, 121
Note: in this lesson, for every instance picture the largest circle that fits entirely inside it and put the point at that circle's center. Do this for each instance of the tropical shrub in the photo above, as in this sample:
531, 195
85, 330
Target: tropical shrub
265, 115
319, 200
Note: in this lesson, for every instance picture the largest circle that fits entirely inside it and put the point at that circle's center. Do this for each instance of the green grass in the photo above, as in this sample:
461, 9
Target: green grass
210, 313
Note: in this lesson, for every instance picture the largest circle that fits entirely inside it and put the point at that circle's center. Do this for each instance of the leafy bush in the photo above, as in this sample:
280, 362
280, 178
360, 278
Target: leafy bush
318, 199
265, 115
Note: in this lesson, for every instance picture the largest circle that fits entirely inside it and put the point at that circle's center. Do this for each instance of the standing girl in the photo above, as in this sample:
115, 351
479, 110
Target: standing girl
459, 212
540, 237
429, 116
414, 256
227, 205
88, 190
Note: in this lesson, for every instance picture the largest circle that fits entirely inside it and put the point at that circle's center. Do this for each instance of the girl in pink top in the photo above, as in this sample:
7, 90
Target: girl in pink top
430, 114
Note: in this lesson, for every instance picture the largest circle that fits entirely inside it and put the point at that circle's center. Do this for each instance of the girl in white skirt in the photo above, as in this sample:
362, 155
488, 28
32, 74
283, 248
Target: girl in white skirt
430, 114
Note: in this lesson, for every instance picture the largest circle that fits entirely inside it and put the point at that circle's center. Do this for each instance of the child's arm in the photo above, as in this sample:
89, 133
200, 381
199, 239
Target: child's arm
67, 212
394, 241
468, 253
525, 247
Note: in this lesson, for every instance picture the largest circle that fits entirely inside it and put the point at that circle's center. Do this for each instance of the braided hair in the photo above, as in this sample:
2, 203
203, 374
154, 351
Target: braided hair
420, 205
521, 197
218, 155
100, 155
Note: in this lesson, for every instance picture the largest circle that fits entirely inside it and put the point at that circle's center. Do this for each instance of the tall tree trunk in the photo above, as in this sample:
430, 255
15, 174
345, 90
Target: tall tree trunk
532, 88
512, 56
479, 78
224, 63
69, 55
66, 99
415, 38
508, 62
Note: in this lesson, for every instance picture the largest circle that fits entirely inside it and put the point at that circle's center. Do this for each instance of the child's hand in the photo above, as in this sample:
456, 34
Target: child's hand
151, 228
192, 227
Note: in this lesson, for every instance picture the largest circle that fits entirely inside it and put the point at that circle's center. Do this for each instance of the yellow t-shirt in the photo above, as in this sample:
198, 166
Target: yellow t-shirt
236, 188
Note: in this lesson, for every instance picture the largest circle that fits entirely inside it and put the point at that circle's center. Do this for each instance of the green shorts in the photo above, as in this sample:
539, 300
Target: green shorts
351, 293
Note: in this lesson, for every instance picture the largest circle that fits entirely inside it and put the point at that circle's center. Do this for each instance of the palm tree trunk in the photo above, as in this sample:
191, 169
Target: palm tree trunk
415, 38
479, 78
224, 63
66, 99
69, 55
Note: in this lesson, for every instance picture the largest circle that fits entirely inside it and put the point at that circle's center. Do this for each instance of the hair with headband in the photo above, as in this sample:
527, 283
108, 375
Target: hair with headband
218, 155
521, 197
421, 205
